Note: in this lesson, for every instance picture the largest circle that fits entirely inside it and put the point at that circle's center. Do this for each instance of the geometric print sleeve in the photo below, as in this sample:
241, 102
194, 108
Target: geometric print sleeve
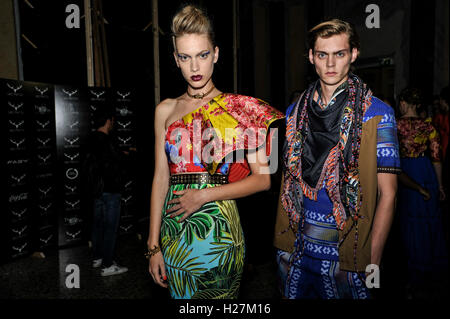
388, 158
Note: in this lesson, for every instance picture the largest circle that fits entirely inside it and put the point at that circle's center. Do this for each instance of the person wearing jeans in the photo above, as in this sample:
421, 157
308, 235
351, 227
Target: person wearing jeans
103, 175
105, 225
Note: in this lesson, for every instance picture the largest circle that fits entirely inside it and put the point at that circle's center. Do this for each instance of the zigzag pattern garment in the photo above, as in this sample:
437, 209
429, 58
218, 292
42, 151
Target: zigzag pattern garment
204, 254
316, 274
313, 278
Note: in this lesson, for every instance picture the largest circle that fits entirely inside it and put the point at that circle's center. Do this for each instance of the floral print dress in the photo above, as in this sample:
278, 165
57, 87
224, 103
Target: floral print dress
204, 254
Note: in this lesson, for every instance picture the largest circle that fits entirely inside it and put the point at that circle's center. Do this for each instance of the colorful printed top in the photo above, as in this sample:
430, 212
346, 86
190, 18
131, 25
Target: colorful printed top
216, 134
320, 234
416, 136
442, 125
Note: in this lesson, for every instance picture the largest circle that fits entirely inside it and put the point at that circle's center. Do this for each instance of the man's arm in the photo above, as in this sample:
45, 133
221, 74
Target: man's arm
387, 188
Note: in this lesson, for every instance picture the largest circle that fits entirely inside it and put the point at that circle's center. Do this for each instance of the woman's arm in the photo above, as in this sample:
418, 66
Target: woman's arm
410, 183
160, 186
438, 170
435, 150
192, 199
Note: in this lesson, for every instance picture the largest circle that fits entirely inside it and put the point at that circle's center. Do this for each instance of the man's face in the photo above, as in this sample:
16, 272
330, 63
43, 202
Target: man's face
332, 58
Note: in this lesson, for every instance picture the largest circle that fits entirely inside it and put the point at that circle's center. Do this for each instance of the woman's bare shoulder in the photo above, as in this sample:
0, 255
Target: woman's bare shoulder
165, 108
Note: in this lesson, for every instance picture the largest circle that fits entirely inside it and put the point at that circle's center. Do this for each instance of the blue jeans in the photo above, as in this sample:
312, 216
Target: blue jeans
105, 224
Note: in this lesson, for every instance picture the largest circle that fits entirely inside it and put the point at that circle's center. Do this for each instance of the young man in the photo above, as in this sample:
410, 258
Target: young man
102, 167
340, 162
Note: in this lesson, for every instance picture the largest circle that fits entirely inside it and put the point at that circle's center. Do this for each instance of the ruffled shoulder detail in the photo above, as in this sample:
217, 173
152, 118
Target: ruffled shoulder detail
231, 122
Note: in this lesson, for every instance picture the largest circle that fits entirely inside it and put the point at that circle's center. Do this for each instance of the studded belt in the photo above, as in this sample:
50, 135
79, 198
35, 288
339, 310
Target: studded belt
200, 178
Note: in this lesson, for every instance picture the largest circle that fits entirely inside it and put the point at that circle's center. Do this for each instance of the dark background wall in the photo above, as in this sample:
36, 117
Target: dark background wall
413, 36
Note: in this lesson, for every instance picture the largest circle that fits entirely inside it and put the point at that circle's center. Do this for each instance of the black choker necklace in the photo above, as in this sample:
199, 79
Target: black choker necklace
200, 96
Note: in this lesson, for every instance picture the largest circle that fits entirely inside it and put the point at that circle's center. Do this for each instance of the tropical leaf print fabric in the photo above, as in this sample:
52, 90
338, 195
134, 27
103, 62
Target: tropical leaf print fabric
204, 254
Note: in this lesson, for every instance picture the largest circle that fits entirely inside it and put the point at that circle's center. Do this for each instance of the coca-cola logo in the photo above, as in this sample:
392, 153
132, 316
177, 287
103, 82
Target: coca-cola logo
18, 197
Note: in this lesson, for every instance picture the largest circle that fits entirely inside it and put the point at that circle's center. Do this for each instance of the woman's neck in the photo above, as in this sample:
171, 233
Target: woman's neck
208, 85
409, 115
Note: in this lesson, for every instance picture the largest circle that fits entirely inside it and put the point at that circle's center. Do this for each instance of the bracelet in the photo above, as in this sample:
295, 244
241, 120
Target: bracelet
152, 251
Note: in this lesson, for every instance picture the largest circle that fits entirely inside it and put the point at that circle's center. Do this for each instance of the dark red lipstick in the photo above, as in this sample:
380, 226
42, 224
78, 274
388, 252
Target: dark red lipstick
196, 78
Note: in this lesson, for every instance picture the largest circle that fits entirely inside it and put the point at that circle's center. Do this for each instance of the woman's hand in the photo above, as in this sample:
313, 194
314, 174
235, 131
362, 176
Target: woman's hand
157, 269
425, 193
190, 201
442, 195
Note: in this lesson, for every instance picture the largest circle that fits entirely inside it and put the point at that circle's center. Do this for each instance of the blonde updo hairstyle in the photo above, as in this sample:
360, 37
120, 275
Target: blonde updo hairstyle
191, 20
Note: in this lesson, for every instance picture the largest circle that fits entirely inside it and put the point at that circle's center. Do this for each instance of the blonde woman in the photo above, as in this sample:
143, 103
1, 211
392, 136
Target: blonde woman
196, 245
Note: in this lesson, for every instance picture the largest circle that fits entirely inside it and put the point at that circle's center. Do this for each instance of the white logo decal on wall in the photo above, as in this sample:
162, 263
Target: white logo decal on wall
73, 124
19, 214
71, 141
41, 91
72, 157
124, 140
123, 95
70, 93
126, 228
45, 208
43, 125
44, 159
73, 235
72, 189
45, 241
98, 94
19, 232
16, 125
127, 199
15, 89
72, 173
43, 142
45, 191
17, 143
18, 179
19, 249
72, 204
124, 125
14, 106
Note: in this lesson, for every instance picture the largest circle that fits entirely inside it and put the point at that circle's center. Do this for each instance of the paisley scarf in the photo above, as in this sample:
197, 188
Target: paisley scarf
338, 170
